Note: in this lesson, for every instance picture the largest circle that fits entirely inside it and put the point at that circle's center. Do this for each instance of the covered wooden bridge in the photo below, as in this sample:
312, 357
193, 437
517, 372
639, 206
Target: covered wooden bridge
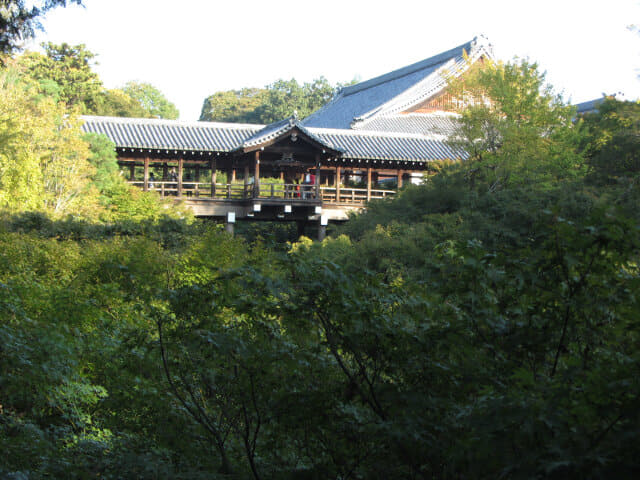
283, 171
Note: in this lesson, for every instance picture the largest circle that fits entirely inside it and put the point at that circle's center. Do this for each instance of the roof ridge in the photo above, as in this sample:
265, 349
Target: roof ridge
434, 113
166, 121
374, 133
409, 69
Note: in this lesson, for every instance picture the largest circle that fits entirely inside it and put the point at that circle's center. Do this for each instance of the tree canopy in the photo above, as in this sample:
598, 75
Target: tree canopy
274, 102
612, 144
65, 73
19, 20
151, 100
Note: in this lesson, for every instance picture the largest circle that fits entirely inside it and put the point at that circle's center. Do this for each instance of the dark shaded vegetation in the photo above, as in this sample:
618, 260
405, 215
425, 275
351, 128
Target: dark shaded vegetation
483, 325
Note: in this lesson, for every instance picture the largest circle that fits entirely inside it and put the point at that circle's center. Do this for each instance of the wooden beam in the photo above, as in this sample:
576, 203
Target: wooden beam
180, 172
145, 185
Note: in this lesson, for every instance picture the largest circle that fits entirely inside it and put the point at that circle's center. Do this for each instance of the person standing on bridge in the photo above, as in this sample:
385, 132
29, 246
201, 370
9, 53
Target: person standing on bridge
173, 178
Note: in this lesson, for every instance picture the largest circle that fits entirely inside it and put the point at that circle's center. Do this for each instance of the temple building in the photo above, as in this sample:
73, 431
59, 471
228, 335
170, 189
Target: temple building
372, 135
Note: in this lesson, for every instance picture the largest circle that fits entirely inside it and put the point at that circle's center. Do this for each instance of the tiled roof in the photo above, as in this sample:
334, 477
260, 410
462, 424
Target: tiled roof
155, 134
388, 146
277, 129
152, 134
396, 91
434, 124
590, 106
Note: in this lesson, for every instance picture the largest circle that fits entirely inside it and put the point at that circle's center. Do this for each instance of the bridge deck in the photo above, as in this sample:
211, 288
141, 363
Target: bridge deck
287, 202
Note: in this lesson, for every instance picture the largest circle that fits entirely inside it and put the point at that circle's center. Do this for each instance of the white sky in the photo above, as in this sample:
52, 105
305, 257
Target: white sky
190, 49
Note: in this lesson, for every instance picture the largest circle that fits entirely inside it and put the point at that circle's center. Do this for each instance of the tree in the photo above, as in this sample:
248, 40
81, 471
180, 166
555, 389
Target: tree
65, 74
105, 161
513, 127
43, 159
116, 103
613, 141
19, 20
276, 101
152, 101
69, 68
238, 106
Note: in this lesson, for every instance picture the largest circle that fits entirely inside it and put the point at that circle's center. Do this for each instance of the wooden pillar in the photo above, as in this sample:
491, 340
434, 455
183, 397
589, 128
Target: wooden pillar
213, 165
256, 175
132, 172
369, 170
317, 182
233, 175
281, 175
145, 185
180, 172
400, 173
338, 182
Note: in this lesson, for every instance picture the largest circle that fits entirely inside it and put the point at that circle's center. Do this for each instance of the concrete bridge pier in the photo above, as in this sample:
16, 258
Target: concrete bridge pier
322, 227
229, 223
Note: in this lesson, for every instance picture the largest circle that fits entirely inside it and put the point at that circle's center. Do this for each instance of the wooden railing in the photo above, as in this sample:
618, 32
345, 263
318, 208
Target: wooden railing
239, 191
353, 196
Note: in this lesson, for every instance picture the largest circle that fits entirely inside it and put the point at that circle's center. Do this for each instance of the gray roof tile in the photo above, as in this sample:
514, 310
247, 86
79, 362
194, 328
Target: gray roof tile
171, 134
431, 124
361, 144
142, 133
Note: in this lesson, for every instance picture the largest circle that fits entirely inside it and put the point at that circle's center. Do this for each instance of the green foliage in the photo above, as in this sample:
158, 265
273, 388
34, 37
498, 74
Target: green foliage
105, 161
152, 101
20, 20
68, 67
117, 103
612, 144
286, 97
272, 103
64, 73
236, 106
42, 156
514, 128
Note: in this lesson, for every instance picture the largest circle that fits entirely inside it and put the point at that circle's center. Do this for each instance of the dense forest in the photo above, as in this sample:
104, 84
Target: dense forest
482, 325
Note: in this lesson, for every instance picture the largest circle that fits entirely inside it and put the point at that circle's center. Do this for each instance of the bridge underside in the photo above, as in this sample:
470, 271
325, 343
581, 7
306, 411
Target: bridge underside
286, 210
